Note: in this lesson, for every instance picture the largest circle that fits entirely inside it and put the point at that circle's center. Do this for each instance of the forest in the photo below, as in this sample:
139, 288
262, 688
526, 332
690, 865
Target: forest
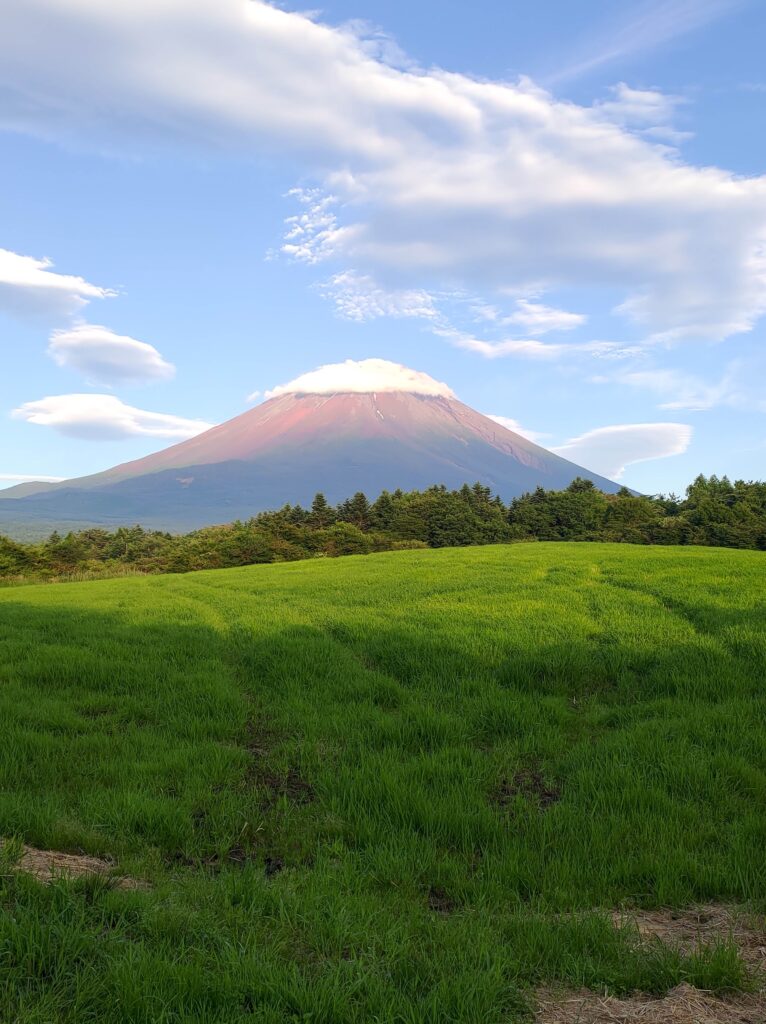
713, 512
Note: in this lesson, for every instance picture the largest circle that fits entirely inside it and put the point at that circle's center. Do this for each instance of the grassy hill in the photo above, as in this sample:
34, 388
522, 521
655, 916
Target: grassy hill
406, 787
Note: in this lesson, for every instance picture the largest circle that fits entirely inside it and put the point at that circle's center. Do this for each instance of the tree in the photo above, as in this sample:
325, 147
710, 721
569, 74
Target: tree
321, 513
356, 510
382, 512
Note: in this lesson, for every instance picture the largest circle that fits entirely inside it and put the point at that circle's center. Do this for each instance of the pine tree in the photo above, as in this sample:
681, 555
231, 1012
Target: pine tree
321, 511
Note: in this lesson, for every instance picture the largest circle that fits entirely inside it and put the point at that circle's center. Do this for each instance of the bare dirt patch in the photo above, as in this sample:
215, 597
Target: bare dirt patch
291, 785
47, 865
530, 784
272, 866
682, 1005
439, 901
260, 739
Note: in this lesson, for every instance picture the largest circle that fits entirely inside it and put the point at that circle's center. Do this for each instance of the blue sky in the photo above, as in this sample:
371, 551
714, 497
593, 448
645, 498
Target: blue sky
559, 209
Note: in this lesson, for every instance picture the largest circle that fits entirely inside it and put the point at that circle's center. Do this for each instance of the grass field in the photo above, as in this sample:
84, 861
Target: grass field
407, 787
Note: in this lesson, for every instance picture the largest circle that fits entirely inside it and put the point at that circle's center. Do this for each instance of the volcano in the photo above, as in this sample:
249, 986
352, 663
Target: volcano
370, 428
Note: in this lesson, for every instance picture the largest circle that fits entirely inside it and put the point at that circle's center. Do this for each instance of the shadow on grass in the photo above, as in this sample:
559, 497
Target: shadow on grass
403, 888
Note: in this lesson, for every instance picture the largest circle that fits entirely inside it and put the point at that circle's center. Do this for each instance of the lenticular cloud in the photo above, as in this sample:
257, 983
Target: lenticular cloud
363, 377
30, 287
105, 356
105, 417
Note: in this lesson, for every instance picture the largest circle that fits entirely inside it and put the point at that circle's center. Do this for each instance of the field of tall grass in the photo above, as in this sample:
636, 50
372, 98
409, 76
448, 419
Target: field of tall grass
409, 787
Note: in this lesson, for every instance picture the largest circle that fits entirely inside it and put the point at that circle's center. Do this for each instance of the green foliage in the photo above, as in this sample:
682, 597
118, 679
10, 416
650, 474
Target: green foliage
403, 788
715, 512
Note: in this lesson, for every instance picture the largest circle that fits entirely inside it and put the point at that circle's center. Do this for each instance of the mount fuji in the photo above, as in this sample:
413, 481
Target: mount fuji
355, 426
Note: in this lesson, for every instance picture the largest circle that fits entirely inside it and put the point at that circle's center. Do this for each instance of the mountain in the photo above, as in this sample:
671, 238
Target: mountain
293, 445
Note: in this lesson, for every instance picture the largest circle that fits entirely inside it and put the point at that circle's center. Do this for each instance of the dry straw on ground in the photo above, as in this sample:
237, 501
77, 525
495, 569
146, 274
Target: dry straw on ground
47, 865
682, 1005
701, 926
686, 930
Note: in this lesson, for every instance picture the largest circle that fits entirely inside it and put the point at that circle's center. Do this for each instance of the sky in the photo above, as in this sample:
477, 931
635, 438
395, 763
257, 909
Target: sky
557, 209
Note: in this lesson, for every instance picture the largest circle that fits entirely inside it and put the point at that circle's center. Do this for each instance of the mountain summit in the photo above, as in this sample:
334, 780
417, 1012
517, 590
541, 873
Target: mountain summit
355, 426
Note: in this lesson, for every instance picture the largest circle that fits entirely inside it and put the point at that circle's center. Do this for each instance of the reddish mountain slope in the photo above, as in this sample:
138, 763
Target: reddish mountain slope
293, 423
293, 445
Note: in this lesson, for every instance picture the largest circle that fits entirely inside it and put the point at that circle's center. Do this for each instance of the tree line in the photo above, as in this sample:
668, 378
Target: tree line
714, 511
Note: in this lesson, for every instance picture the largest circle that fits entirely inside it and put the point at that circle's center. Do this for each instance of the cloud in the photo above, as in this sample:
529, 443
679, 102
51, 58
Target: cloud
311, 236
29, 287
525, 347
363, 377
540, 319
609, 450
649, 24
682, 390
107, 357
21, 478
531, 435
105, 417
422, 179
640, 107
358, 297
647, 110
531, 348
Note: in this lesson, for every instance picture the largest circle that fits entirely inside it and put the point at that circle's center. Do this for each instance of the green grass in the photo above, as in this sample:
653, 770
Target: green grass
404, 787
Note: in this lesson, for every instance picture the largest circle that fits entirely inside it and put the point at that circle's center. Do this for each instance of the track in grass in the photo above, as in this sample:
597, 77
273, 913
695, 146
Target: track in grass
405, 787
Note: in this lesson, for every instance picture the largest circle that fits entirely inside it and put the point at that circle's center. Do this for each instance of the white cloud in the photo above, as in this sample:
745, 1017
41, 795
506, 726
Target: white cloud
647, 110
30, 287
105, 417
531, 435
311, 236
358, 297
21, 478
426, 179
531, 348
525, 347
107, 357
609, 450
640, 107
362, 377
540, 319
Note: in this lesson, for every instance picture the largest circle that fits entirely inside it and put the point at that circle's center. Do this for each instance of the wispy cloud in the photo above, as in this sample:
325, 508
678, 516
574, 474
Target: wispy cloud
647, 111
359, 297
640, 28
532, 348
532, 316
679, 389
